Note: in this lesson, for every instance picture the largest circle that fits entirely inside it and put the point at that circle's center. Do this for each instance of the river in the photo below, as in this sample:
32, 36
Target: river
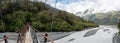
101, 34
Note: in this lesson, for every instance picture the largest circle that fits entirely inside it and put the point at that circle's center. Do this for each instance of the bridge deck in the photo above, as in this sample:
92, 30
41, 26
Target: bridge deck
28, 38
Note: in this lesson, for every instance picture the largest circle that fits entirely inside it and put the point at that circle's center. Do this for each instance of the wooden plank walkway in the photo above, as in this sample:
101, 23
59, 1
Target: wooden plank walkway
28, 38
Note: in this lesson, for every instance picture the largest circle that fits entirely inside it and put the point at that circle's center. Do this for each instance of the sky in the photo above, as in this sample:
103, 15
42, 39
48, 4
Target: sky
97, 6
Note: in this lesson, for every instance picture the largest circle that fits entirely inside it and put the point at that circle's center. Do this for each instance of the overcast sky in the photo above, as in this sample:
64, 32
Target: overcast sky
74, 6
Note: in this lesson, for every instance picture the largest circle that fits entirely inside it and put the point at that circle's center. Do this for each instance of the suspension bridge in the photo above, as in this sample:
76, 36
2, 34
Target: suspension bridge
27, 35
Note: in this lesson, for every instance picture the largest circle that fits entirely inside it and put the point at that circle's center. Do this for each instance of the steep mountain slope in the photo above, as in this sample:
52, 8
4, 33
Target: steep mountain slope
17, 13
109, 18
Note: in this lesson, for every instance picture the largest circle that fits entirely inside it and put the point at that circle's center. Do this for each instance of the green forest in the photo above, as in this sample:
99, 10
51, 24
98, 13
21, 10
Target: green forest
15, 14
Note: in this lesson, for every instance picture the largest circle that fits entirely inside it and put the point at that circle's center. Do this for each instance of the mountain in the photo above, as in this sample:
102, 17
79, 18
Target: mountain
109, 18
15, 14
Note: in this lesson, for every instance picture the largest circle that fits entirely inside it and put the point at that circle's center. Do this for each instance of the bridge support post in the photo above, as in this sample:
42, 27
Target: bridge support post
45, 39
5, 38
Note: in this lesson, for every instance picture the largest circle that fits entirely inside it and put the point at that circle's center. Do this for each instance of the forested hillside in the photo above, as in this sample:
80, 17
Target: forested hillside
109, 18
15, 14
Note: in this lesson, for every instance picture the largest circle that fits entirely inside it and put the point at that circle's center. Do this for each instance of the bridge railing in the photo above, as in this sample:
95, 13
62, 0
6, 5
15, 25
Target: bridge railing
21, 31
4, 39
45, 36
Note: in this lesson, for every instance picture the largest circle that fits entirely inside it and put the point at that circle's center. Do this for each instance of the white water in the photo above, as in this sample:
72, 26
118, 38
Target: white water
103, 35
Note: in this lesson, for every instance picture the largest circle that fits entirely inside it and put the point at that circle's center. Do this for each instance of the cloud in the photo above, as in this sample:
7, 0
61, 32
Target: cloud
74, 6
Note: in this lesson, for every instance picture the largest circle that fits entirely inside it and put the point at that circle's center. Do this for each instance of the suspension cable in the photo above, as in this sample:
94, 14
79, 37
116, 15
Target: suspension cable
9, 35
3, 39
44, 35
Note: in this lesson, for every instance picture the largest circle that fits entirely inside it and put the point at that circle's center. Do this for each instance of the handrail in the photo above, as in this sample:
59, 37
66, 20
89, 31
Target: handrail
44, 35
4, 38
9, 36
34, 30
